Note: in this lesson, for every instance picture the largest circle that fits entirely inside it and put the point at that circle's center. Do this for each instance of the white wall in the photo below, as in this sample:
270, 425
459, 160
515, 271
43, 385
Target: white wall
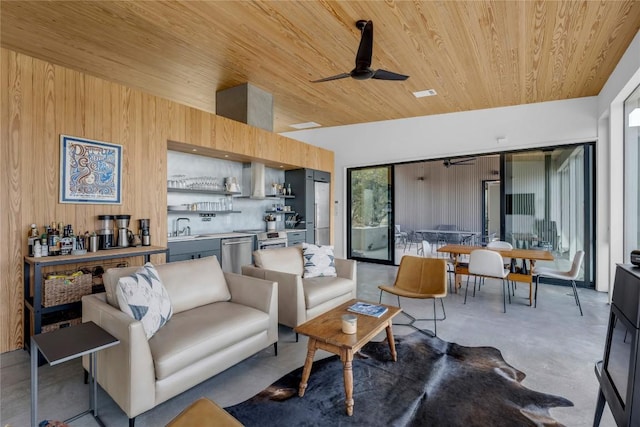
470, 132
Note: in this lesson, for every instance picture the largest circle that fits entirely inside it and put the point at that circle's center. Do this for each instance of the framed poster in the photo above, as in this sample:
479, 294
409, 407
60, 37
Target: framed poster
90, 171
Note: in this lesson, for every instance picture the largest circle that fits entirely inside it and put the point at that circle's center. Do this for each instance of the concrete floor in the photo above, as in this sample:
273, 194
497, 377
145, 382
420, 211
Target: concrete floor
552, 344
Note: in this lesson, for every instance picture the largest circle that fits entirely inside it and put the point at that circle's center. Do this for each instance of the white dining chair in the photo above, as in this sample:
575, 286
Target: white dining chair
501, 244
487, 263
427, 251
559, 274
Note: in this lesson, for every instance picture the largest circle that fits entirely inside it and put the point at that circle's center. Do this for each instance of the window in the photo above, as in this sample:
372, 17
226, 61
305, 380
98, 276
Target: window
631, 173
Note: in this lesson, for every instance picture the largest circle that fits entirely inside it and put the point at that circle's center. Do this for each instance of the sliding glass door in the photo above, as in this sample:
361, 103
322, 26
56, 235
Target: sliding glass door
549, 202
631, 174
370, 229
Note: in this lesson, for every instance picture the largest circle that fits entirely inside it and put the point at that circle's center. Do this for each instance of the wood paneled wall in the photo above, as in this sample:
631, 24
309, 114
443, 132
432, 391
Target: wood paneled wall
40, 101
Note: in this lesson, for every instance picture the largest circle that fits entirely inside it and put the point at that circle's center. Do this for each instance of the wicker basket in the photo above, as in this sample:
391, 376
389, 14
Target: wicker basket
63, 324
65, 290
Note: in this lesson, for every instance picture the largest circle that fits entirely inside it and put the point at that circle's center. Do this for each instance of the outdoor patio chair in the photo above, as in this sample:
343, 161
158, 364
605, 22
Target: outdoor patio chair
400, 236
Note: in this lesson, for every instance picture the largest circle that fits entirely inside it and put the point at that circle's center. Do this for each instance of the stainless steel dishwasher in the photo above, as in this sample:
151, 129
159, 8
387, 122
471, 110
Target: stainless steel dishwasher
236, 252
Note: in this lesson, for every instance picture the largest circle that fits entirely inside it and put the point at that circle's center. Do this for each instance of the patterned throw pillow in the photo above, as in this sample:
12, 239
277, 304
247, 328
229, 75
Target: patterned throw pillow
143, 297
318, 261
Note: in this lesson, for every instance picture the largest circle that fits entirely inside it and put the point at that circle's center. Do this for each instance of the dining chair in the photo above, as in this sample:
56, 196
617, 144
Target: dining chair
420, 278
572, 275
501, 244
487, 263
484, 240
400, 236
413, 237
427, 251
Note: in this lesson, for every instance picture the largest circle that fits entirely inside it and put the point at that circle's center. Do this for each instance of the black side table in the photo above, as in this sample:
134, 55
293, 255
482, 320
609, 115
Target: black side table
67, 344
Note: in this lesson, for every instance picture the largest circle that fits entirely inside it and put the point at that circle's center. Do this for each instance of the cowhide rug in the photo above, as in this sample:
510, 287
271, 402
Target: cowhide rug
433, 383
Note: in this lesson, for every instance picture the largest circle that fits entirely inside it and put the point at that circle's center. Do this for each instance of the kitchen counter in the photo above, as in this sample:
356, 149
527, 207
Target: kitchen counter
208, 236
224, 235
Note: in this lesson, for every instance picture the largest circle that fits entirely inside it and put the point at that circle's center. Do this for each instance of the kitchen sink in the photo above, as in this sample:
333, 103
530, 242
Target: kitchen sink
181, 238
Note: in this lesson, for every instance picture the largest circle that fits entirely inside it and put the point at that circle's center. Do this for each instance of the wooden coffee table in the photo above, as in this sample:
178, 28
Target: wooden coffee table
325, 333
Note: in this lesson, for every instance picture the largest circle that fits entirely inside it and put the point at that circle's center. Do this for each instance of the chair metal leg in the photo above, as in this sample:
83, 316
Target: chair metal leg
475, 279
435, 322
412, 319
466, 290
504, 297
575, 295
535, 294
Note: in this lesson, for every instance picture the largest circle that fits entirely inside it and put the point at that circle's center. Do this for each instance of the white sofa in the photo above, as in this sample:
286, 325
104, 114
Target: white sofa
301, 299
218, 320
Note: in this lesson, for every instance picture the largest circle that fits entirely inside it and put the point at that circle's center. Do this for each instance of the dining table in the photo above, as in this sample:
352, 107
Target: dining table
465, 235
522, 274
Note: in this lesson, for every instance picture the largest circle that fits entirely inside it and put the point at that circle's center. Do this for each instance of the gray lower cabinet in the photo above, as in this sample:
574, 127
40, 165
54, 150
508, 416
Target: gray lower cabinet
193, 249
296, 237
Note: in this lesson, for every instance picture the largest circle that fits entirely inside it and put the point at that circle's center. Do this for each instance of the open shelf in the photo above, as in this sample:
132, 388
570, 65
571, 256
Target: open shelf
192, 191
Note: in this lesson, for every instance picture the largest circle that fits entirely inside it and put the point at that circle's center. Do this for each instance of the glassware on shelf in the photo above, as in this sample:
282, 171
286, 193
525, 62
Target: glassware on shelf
176, 181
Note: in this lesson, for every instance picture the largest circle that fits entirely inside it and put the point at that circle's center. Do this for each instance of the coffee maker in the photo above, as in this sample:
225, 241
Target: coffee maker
144, 232
122, 221
105, 232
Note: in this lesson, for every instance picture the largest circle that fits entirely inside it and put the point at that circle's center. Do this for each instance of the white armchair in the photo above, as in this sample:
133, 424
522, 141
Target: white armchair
299, 298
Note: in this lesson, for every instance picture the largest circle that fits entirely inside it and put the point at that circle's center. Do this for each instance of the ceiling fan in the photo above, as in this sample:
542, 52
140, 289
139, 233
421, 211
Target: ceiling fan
462, 162
363, 69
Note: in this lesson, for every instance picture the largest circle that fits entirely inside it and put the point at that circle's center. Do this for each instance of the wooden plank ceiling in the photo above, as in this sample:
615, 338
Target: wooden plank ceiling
475, 54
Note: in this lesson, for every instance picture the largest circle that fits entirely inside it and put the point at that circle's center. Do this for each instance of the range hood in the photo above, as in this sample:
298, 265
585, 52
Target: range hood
253, 106
253, 182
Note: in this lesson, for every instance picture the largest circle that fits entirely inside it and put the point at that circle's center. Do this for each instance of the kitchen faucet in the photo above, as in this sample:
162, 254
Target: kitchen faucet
186, 229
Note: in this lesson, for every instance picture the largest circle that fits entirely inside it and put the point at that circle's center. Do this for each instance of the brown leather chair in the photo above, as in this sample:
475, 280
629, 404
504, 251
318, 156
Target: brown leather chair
204, 413
421, 278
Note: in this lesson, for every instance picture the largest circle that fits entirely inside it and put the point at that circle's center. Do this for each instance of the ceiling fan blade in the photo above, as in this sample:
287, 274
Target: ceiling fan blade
461, 162
336, 77
365, 50
388, 75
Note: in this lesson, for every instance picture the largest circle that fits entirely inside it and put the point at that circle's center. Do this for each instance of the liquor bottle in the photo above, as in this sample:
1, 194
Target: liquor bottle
66, 242
44, 245
54, 240
32, 238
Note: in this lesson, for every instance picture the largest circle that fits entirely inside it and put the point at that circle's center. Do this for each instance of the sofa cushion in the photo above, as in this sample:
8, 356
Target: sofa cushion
110, 280
195, 334
318, 290
194, 283
142, 296
285, 260
318, 261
